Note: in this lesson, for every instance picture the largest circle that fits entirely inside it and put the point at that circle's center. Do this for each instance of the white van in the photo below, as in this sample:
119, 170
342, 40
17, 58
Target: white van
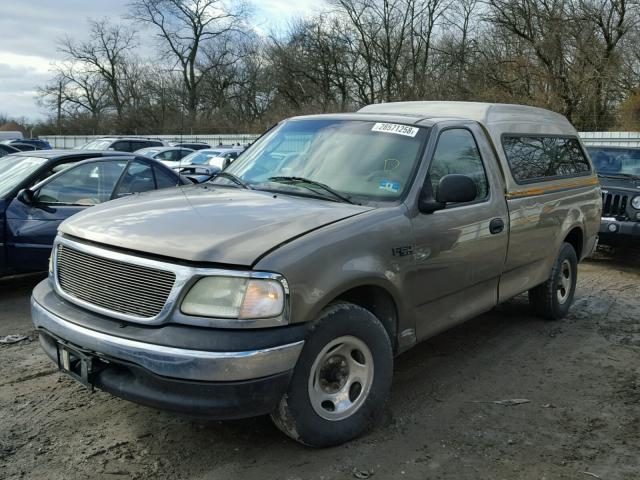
10, 135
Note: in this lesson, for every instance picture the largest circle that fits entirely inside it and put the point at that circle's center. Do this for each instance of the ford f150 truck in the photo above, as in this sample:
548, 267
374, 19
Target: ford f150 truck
288, 284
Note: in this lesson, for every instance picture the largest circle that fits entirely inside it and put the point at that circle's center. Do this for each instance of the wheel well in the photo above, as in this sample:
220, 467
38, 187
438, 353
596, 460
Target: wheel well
379, 302
575, 238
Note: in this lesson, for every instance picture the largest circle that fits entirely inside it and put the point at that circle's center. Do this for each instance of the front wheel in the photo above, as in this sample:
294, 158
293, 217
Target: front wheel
554, 297
341, 381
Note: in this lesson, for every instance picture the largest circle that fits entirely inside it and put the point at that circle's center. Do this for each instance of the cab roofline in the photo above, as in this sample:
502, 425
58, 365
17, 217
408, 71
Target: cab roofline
405, 119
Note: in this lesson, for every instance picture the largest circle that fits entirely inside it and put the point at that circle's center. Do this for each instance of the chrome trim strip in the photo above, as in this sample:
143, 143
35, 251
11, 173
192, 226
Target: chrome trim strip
170, 361
186, 276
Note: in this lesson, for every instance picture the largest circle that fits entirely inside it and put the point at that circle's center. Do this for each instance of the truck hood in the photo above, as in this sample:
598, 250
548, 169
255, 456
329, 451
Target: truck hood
205, 223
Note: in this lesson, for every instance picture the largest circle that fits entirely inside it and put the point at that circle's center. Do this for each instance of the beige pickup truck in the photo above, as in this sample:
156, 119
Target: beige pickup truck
288, 284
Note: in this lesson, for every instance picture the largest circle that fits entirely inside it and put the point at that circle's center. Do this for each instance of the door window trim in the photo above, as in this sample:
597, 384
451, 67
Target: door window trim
480, 201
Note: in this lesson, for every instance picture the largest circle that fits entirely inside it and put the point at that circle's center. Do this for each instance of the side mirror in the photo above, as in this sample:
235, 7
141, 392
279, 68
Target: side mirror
26, 196
452, 188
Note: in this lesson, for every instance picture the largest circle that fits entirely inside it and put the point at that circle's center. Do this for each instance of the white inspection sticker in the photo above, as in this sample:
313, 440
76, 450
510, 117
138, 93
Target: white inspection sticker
395, 128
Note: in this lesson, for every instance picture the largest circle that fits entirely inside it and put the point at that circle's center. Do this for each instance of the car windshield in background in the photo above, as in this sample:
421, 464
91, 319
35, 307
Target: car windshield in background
369, 160
96, 145
199, 158
14, 169
615, 161
149, 153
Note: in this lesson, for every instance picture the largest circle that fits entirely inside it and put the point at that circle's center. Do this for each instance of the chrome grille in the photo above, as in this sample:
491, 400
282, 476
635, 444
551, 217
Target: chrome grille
113, 285
614, 205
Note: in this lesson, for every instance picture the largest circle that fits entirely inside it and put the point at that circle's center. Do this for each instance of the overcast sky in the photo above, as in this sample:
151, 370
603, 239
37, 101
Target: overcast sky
31, 28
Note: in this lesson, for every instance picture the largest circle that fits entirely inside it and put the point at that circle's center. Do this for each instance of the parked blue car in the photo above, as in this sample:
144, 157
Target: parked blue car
39, 189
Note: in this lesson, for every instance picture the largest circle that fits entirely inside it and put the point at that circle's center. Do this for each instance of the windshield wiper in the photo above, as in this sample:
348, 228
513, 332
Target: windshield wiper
234, 179
302, 180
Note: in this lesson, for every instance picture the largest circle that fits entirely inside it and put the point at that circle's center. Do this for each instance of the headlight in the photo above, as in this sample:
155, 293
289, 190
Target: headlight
635, 203
229, 297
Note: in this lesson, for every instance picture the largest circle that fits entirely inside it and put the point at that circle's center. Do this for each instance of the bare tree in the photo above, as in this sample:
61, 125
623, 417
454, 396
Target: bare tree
184, 27
105, 55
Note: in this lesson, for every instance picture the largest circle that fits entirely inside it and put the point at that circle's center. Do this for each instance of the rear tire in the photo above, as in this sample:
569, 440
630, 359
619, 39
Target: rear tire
552, 299
342, 379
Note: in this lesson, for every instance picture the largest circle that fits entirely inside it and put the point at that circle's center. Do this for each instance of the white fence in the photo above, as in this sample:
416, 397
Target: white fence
623, 139
611, 139
72, 141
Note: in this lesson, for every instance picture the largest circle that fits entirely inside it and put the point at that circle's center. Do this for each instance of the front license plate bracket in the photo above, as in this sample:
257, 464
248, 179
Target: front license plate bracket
79, 365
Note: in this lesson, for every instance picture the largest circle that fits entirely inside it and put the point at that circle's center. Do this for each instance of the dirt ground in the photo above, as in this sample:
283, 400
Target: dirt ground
581, 375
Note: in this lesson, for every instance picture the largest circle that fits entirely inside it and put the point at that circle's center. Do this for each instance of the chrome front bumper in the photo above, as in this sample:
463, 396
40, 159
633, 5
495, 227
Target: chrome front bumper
167, 361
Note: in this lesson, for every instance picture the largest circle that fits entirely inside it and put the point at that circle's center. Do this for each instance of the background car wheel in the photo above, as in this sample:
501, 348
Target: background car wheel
341, 381
554, 297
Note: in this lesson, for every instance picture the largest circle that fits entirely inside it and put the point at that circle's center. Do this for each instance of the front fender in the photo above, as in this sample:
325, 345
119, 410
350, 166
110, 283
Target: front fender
354, 252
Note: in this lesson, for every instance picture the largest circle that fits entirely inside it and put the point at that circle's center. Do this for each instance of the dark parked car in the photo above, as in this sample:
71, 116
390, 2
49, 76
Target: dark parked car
192, 145
170, 156
23, 147
122, 144
37, 143
7, 149
619, 173
40, 189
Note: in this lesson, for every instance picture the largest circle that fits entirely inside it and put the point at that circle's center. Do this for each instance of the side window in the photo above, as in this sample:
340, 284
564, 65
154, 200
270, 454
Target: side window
137, 178
458, 153
137, 145
175, 155
121, 146
87, 184
163, 179
153, 143
164, 156
537, 158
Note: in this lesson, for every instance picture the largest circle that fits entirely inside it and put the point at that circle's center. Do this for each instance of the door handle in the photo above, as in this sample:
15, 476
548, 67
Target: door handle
496, 226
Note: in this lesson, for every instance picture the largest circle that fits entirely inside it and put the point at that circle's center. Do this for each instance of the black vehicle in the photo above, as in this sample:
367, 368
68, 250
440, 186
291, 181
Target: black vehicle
40, 189
23, 147
37, 143
122, 144
7, 149
619, 173
192, 145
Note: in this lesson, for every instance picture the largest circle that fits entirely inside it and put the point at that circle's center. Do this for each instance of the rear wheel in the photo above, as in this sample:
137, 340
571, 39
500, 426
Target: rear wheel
554, 297
342, 379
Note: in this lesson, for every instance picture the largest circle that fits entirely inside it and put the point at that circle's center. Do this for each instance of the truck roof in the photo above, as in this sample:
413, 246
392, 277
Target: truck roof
495, 117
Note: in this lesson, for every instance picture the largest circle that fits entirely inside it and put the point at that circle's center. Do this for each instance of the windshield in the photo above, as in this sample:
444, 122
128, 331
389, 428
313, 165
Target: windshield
199, 157
615, 161
149, 152
15, 169
355, 158
96, 145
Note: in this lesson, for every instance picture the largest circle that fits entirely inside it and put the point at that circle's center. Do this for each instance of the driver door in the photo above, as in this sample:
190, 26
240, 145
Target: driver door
31, 228
460, 250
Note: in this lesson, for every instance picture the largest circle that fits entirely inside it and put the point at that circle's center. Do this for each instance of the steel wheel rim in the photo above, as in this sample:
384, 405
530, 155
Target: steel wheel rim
563, 288
341, 378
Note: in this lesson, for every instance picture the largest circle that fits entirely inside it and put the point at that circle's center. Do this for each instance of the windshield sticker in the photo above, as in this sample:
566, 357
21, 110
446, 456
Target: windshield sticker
391, 164
395, 128
389, 186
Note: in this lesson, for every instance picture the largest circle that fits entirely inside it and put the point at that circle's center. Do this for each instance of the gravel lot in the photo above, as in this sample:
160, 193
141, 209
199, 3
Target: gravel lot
581, 375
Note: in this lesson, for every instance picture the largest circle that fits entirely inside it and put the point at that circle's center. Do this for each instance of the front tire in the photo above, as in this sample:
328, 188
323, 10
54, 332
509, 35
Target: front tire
341, 381
553, 298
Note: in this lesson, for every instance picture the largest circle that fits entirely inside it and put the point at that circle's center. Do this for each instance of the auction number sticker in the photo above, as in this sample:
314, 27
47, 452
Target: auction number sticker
405, 130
